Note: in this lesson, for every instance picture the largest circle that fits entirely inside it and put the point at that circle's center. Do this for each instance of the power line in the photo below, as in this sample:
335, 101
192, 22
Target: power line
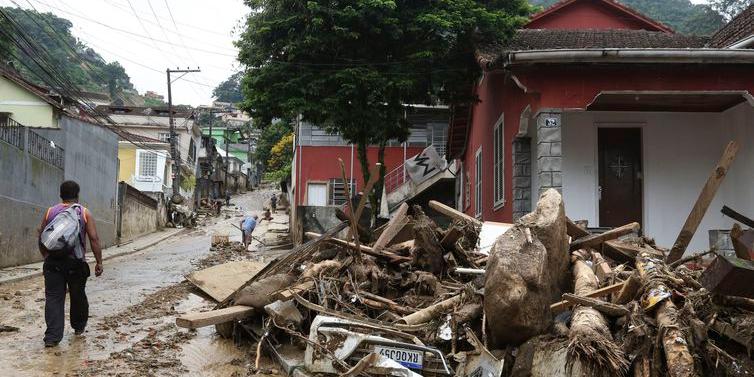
214, 52
58, 79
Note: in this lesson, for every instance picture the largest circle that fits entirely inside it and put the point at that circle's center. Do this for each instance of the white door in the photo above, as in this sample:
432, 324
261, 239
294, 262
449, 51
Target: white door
316, 194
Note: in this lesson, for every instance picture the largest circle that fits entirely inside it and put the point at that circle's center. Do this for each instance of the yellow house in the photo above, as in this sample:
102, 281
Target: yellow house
26, 103
145, 167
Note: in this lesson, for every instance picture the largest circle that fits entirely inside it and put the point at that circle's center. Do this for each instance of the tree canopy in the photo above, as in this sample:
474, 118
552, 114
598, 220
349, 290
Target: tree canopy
681, 15
350, 66
230, 89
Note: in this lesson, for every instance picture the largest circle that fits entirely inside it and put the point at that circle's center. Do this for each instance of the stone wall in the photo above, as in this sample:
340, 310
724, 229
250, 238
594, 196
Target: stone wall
549, 154
521, 177
138, 213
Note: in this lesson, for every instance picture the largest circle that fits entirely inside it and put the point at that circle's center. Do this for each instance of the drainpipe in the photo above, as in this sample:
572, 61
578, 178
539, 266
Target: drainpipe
746, 42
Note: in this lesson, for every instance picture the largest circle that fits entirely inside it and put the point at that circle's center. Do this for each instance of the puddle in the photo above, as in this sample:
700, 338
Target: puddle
207, 354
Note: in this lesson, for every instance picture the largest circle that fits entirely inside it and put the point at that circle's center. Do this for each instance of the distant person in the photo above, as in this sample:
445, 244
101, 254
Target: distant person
227, 198
274, 203
247, 228
62, 242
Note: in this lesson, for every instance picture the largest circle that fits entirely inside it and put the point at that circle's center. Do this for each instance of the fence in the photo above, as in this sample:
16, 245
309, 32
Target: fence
23, 138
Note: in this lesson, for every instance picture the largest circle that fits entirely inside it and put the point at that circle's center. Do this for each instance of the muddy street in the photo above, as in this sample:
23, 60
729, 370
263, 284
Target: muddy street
133, 305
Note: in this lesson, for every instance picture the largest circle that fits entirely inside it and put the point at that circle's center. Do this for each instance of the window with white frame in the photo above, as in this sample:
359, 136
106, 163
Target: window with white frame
499, 163
164, 137
478, 184
147, 164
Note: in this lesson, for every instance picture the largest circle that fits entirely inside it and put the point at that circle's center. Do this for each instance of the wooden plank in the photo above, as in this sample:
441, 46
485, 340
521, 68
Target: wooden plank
729, 276
561, 306
364, 249
607, 308
220, 281
401, 246
452, 212
451, 237
575, 231
291, 292
597, 239
703, 202
393, 227
730, 212
213, 317
626, 253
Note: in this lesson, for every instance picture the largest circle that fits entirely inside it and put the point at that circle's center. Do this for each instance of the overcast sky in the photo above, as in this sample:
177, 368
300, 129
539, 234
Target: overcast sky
146, 42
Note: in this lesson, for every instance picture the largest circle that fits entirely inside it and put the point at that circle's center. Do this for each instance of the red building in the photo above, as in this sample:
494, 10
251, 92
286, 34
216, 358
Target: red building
622, 115
317, 176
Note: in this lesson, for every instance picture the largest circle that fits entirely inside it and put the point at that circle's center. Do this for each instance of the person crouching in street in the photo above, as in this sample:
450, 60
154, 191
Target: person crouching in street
62, 242
247, 227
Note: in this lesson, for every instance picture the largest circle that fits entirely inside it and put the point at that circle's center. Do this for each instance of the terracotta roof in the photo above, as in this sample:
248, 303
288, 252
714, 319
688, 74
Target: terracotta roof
128, 136
659, 26
737, 29
550, 39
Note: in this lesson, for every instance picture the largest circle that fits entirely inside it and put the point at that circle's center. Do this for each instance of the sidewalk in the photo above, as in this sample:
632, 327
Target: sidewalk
13, 274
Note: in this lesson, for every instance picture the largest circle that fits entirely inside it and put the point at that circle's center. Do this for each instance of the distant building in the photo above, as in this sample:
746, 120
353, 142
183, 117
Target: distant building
153, 95
153, 124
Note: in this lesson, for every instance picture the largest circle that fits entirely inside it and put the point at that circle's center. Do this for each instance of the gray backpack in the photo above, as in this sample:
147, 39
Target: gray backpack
62, 236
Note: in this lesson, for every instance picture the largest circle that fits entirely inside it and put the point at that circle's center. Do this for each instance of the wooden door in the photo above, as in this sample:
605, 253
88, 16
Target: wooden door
620, 176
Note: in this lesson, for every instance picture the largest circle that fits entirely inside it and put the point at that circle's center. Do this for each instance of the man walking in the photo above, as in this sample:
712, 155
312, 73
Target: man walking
64, 265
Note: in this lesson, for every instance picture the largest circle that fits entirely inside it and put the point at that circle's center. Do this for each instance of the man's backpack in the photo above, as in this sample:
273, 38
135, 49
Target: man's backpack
62, 236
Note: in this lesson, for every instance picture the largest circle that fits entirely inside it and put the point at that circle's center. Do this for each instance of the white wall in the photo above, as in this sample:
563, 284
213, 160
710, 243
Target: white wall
679, 152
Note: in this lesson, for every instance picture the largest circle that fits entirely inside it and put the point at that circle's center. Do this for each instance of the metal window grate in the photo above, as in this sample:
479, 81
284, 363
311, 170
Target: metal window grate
12, 132
337, 194
147, 164
45, 150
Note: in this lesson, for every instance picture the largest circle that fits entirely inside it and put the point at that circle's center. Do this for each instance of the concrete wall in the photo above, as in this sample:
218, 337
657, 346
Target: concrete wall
91, 159
28, 186
679, 152
138, 216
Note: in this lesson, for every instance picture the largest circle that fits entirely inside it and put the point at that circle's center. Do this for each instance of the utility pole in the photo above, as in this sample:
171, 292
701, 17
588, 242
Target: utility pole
173, 141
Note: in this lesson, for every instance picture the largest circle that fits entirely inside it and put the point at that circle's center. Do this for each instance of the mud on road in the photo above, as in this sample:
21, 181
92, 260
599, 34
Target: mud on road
131, 330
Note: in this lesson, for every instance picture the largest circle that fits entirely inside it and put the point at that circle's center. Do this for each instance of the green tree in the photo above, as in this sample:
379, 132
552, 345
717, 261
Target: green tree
230, 89
350, 66
270, 136
76, 61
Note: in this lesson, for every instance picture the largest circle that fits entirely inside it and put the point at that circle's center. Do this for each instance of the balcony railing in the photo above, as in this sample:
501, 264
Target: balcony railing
23, 138
12, 132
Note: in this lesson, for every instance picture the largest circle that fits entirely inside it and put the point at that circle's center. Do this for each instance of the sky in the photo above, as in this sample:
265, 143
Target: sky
141, 35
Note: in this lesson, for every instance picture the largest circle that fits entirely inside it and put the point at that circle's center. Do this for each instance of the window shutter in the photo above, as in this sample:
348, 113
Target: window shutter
499, 163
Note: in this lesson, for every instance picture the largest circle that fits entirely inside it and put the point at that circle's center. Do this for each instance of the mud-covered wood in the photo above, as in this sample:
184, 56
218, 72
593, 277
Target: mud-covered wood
597, 239
729, 276
561, 306
452, 212
393, 227
213, 317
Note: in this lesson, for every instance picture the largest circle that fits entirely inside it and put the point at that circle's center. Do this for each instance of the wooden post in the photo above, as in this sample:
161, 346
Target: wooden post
393, 227
452, 213
703, 202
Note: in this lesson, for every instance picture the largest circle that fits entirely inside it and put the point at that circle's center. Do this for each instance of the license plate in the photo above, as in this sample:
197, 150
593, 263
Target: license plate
408, 358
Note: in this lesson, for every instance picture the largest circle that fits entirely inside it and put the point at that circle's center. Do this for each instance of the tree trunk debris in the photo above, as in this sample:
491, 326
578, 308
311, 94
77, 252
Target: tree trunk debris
602, 304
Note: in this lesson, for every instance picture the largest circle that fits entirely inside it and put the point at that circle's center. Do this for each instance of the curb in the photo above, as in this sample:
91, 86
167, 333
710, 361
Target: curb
104, 258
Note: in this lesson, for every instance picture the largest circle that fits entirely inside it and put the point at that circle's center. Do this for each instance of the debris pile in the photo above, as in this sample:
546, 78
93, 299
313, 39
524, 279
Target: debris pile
550, 299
